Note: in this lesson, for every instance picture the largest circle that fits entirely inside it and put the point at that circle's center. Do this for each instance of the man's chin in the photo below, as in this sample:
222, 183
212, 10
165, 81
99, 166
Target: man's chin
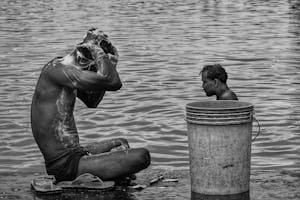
209, 94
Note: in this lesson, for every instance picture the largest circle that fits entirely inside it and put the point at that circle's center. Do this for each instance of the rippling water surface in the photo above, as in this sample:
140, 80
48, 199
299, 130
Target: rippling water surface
162, 45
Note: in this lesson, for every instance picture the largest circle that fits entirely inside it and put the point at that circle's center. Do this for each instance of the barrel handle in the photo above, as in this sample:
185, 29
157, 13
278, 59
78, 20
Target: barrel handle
258, 132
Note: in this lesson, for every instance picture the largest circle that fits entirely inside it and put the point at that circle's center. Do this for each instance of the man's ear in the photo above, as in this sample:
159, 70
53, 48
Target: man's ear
217, 82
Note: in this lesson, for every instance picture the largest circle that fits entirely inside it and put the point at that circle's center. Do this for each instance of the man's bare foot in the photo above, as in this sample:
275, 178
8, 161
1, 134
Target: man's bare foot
126, 181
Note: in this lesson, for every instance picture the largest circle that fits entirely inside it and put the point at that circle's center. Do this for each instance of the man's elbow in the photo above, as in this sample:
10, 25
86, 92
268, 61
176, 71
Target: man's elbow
93, 105
116, 86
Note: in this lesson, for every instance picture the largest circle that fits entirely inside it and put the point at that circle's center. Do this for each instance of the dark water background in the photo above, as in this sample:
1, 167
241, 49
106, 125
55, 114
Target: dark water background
162, 45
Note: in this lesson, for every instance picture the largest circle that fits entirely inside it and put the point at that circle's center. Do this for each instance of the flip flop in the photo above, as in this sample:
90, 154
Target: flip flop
45, 185
87, 181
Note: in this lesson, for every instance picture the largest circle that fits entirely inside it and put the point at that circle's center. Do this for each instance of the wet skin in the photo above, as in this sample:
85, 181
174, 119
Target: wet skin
60, 83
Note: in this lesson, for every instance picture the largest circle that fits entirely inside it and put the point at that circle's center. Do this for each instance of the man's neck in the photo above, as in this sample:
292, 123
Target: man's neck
221, 89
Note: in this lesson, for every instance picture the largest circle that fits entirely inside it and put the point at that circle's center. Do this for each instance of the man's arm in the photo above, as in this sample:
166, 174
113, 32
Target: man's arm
70, 76
92, 98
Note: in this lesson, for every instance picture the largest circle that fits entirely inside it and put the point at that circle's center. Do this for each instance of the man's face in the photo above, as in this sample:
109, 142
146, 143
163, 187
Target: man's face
208, 85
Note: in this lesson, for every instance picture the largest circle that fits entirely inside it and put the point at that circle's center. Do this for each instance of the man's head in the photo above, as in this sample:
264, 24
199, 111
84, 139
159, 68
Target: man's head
99, 38
94, 43
211, 76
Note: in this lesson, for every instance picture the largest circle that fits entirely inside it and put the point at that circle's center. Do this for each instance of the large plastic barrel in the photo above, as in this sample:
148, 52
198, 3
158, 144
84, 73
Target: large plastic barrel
219, 135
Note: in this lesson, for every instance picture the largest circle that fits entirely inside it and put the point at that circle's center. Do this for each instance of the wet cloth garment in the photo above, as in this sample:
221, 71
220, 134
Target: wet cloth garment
67, 168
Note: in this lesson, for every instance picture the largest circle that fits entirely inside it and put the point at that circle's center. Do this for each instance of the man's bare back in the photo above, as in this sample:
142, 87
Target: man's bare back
86, 73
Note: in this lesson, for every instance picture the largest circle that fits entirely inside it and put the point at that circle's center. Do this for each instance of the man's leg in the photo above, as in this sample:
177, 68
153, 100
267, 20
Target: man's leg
106, 145
112, 165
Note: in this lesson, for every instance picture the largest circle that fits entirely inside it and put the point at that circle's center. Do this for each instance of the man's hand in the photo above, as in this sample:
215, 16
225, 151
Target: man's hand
98, 52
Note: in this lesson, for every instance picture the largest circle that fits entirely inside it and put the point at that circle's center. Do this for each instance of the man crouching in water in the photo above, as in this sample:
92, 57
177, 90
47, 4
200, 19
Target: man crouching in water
86, 73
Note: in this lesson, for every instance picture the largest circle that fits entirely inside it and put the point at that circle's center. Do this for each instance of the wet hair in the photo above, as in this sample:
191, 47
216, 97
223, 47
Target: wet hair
215, 71
99, 36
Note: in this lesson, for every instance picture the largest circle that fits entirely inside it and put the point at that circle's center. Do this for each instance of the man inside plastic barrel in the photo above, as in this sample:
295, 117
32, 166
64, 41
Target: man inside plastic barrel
214, 78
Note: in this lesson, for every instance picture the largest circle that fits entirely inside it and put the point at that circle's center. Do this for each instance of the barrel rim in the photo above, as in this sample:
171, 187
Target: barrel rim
188, 113
216, 123
246, 106
219, 118
218, 111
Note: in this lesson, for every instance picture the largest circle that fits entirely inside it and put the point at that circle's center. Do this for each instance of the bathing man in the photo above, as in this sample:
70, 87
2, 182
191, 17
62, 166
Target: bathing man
86, 73
214, 78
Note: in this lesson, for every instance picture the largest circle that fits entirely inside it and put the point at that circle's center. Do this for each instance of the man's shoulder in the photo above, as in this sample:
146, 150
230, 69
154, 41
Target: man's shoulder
228, 95
53, 63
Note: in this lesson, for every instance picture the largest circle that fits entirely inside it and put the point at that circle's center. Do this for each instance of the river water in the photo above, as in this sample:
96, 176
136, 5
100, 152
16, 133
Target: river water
162, 45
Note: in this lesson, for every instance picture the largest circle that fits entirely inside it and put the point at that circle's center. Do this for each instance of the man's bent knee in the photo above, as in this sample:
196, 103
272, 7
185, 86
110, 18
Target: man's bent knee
143, 156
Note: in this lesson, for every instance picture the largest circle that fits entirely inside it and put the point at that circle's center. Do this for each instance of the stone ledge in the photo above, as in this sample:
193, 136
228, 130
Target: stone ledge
265, 185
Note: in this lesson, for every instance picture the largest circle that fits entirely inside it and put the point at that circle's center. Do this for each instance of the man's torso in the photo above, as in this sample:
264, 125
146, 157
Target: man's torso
52, 117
